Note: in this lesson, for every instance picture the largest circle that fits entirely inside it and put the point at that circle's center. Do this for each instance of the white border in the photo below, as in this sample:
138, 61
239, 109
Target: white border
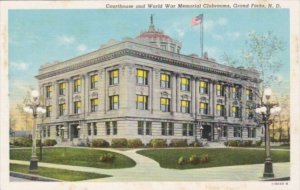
294, 184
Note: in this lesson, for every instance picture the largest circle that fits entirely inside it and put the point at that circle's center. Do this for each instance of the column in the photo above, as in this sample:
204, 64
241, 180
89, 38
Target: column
69, 94
155, 90
174, 94
177, 93
227, 104
85, 94
193, 100
82, 94
212, 97
197, 95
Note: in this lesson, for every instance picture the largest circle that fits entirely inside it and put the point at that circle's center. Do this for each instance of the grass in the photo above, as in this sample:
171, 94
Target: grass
167, 158
64, 175
75, 156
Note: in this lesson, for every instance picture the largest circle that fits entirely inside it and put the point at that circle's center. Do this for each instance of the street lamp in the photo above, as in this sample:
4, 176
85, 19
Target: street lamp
34, 107
266, 110
201, 129
78, 128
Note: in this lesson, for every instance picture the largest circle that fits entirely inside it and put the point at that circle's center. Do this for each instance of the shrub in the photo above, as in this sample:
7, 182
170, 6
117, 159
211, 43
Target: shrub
234, 143
194, 159
158, 143
258, 143
50, 142
107, 158
100, 143
119, 143
181, 160
178, 143
226, 143
135, 143
38, 143
204, 158
247, 143
197, 144
23, 142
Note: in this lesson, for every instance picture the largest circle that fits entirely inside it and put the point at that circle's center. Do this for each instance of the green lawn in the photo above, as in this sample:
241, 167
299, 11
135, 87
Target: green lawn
75, 156
64, 175
168, 158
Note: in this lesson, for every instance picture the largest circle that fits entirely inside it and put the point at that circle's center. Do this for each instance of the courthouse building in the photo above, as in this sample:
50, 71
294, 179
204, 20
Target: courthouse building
145, 88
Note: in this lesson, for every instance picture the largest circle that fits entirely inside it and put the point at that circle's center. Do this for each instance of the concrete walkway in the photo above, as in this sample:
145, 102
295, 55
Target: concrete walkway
147, 169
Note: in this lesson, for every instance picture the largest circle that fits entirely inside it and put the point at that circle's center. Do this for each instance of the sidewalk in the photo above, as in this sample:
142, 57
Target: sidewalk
147, 169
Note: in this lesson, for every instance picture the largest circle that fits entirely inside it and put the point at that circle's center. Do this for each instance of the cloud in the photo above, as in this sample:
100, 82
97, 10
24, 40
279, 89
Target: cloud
222, 21
233, 35
21, 66
210, 25
66, 40
217, 37
81, 48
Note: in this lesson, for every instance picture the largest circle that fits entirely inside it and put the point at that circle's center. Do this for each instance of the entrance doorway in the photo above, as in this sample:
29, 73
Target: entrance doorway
206, 132
74, 131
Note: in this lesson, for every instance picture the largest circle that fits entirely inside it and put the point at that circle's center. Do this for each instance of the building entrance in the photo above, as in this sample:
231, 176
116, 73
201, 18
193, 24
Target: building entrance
206, 132
74, 131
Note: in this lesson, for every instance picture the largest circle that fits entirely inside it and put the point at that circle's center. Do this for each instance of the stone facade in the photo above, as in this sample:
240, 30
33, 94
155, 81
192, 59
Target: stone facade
137, 89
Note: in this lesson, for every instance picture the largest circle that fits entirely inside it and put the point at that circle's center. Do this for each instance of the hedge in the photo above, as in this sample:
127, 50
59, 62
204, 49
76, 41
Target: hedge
119, 143
100, 143
158, 143
135, 143
178, 143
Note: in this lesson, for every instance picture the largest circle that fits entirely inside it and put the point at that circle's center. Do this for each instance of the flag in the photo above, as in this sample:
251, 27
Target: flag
197, 20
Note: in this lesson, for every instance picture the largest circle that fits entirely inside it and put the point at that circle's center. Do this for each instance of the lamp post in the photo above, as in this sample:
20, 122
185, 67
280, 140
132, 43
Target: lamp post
266, 110
34, 107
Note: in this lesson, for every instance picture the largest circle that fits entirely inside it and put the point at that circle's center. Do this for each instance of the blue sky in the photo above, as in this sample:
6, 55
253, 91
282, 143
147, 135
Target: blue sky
37, 37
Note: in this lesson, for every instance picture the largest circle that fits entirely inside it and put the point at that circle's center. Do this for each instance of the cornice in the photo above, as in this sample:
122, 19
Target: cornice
142, 55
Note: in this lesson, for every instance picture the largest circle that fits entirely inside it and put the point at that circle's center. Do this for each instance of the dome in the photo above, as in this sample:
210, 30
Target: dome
159, 39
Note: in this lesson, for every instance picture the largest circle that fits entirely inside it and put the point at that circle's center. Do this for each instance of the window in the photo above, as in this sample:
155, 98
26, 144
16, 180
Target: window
57, 130
48, 91
224, 131
251, 132
107, 126
249, 113
89, 129
249, 94
187, 129
48, 111
62, 89
165, 104
77, 107
48, 131
171, 129
203, 108
185, 106
140, 128
77, 85
62, 109
94, 81
191, 130
203, 87
94, 104
235, 111
172, 49
164, 80
115, 127
163, 46
95, 129
235, 92
184, 129
114, 102
164, 127
220, 110
44, 132
148, 128
142, 102
114, 77
237, 131
184, 84
142, 76
220, 90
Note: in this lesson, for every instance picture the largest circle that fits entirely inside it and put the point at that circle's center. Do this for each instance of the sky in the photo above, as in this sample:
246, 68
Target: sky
37, 37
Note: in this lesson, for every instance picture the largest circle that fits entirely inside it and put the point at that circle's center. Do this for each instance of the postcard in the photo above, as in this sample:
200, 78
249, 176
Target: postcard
150, 94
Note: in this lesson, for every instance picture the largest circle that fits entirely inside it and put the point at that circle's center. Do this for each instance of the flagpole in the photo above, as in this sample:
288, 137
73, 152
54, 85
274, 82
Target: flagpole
201, 33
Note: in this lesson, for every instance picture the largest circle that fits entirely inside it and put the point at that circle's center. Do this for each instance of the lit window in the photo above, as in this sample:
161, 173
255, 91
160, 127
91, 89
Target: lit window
220, 90
164, 80
62, 88
94, 81
94, 104
235, 92
185, 84
185, 106
48, 91
115, 127
77, 85
235, 111
77, 107
48, 111
114, 102
62, 109
203, 108
165, 104
203, 87
142, 102
220, 110
114, 77
142, 77
249, 94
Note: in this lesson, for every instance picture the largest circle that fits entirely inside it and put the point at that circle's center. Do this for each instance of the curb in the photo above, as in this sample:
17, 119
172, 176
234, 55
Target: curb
33, 177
